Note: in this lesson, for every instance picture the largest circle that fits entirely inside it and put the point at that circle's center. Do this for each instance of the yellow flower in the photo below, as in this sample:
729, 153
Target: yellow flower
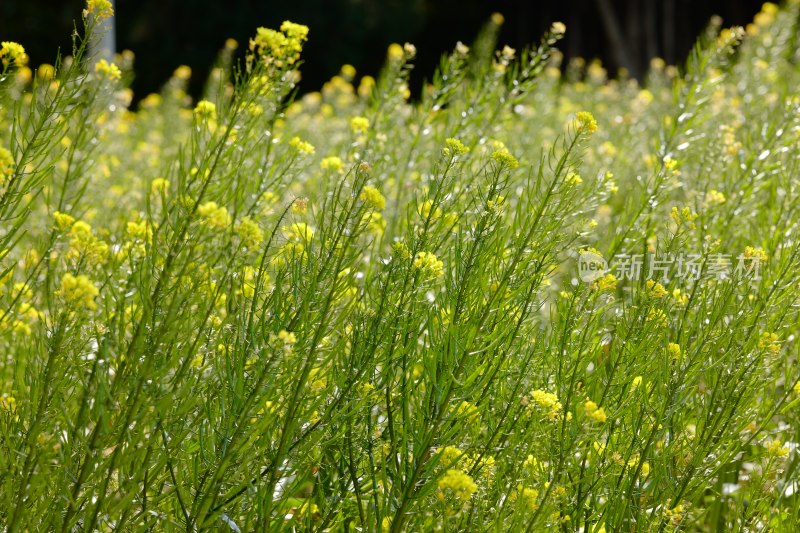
715, 197
657, 316
250, 232
429, 264
348, 72
359, 124
531, 498
401, 250
449, 456
83, 244
107, 70
301, 146
249, 282
671, 165
269, 42
679, 297
675, 514
606, 283
365, 388
287, 337
205, 111
296, 33
278, 47
13, 53
395, 52
674, 350
549, 402
6, 165
80, 229
506, 56
574, 179
468, 411
8, 403
777, 449
485, 465
316, 380
769, 342
183, 72
655, 289
63, 221
426, 211
79, 290
21, 290
375, 222
460, 483
141, 230
299, 206
214, 215
685, 215
308, 509
504, 158
99, 9
728, 37
150, 101
586, 121
299, 231
455, 147
590, 250
332, 163
366, 86
159, 185
594, 412
611, 185
755, 253
372, 197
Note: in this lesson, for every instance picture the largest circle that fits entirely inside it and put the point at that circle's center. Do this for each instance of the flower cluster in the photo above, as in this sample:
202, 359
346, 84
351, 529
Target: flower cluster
6, 165
428, 264
107, 70
12, 53
99, 9
79, 291
454, 147
205, 111
280, 47
503, 157
586, 121
548, 403
598, 414
216, 216
459, 482
372, 197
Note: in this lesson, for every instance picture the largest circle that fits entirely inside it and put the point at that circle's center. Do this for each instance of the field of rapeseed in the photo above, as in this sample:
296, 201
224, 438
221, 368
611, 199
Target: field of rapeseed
532, 299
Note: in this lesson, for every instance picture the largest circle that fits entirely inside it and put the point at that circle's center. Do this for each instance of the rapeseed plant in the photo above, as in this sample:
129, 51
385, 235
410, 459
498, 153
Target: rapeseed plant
534, 299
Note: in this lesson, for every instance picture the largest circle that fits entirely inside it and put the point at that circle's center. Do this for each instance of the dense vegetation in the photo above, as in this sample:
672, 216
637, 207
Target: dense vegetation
530, 301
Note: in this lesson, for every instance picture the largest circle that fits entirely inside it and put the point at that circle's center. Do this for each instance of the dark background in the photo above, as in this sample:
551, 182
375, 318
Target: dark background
166, 33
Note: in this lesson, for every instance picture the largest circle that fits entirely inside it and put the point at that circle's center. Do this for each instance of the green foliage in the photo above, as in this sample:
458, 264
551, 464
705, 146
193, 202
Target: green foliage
351, 312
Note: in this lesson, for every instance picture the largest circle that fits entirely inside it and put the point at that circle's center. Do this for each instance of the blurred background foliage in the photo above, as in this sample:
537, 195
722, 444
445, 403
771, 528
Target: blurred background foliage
166, 33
